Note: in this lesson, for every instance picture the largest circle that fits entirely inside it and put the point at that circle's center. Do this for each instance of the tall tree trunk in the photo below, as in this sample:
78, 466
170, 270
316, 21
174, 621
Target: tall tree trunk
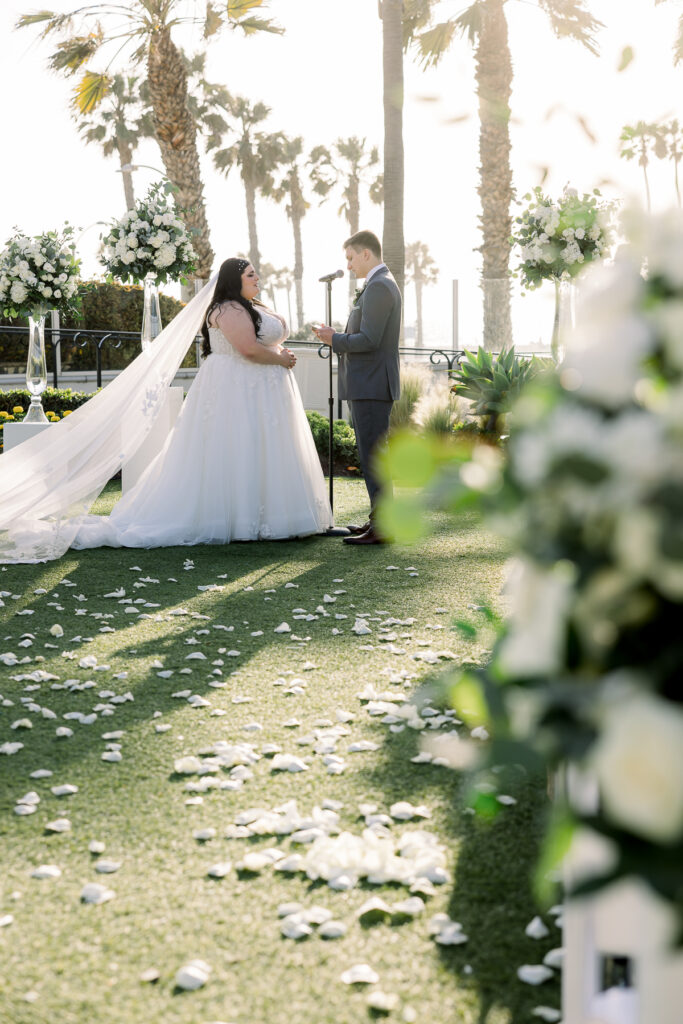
354, 223
298, 267
250, 194
494, 85
289, 305
391, 12
678, 190
176, 134
418, 302
125, 151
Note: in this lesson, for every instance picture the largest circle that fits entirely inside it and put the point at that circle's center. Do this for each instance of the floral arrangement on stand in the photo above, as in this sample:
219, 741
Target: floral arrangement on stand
36, 275
150, 244
557, 241
586, 670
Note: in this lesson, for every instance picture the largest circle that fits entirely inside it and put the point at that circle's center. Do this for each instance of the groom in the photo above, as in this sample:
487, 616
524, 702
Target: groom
369, 377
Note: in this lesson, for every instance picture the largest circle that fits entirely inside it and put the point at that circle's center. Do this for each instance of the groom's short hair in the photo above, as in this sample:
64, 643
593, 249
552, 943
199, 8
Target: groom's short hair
364, 240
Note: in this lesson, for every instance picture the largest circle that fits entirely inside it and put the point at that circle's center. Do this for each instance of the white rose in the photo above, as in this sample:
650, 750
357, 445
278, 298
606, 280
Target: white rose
539, 600
167, 218
47, 291
39, 259
638, 762
58, 293
156, 240
580, 232
129, 257
156, 221
18, 292
132, 240
49, 268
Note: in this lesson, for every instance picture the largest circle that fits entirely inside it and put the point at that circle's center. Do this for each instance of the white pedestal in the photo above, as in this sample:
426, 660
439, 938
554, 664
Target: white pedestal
14, 433
625, 920
155, 440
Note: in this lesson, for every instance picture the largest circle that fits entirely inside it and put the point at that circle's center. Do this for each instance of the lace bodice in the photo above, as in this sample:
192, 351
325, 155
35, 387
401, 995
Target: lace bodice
273, 331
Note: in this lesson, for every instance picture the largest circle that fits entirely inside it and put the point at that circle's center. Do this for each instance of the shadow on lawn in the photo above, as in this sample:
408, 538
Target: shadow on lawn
492, 879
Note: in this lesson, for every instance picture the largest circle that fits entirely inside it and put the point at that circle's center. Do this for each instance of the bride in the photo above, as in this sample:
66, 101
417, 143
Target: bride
240, 464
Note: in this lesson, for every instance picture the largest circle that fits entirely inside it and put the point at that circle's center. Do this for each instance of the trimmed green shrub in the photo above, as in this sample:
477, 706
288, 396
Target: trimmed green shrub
344, 450
105, 306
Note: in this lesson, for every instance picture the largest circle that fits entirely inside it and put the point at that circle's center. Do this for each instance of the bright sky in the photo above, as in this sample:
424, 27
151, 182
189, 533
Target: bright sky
323, 80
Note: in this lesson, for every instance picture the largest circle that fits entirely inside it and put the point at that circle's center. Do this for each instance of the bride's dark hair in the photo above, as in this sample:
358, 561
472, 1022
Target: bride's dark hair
229, 289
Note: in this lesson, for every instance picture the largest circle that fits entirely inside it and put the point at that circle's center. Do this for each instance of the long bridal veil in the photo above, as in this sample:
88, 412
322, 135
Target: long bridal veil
48, 483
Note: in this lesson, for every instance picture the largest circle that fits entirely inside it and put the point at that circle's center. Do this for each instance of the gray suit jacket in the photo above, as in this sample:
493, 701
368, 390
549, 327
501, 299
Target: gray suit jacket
368, 349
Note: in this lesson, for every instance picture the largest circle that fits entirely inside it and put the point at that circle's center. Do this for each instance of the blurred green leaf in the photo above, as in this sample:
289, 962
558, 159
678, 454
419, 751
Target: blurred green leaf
467, 697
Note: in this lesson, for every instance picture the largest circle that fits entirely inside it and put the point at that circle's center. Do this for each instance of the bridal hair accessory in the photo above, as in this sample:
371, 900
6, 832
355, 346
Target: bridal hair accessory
242, 265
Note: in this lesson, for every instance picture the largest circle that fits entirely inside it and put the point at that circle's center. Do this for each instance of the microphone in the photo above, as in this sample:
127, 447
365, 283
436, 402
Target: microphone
331, 277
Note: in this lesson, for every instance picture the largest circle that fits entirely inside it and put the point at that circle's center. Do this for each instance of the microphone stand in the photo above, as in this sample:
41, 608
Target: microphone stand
332, 531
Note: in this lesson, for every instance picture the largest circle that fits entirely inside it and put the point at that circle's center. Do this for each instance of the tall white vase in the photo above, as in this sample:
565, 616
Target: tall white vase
151, 313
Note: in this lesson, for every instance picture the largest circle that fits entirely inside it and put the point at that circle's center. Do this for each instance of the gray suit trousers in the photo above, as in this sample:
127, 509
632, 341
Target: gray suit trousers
371, 422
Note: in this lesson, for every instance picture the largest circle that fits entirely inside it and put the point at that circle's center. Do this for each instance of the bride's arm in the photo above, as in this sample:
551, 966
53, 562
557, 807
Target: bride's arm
238, 329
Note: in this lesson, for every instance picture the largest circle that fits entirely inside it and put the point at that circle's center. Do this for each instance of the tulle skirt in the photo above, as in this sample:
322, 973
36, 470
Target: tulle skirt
240, 464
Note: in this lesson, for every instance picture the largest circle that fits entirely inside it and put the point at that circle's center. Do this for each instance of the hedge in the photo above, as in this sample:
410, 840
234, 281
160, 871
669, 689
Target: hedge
61, 400
105, 306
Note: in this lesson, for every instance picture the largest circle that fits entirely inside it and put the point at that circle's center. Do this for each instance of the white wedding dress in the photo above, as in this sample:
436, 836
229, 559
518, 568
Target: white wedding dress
240, 463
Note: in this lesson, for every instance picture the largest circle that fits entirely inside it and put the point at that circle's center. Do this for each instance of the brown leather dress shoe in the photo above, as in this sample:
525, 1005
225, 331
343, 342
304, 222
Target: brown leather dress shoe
355, 530
363, 539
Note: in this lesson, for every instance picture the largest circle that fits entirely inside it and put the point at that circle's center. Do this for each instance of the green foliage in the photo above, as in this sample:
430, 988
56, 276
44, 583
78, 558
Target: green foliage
56, 402
344, 450
492, 382
413, 386
106, 306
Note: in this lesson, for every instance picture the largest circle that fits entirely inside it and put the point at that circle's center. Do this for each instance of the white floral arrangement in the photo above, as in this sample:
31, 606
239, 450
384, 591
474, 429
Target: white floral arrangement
150, 239
39, 273
591, 496
557, 240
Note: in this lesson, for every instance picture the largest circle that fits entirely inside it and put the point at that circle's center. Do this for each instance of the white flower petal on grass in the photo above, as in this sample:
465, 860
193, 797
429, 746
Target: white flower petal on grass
332, 930
288, 763
534, 974
11, 748
294, 927
187, 765
404, 811
361, 746
22, 723
382, 1002
196, 656
361, 628
360, 974
41, 773
451, 935
46, 871
192, 975
56, 630
284, 627
406, 910
31, 799
554, 958
112, 755
107, 867
96, 847
547, 1013
93, 892
203, 834
219, 870
24, 809
6, 920
536, 929
63, 732
65, 790
58, 825
373, 911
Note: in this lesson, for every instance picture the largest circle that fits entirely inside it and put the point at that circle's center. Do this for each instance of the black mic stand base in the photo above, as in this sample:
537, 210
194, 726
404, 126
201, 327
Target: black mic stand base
336, 531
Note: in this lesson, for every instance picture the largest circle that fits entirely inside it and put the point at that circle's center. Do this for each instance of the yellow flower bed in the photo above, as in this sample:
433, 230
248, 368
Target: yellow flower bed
18, 408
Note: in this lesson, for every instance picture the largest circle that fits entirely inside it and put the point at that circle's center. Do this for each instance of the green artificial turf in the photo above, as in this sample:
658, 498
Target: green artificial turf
65, 962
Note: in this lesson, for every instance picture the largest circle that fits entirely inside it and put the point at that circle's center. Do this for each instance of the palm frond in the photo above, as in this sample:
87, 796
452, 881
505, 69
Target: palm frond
238, 8
432, 44
571, 18
90, 91
213, 22
251, 25
73, 53
469, 22
54, 22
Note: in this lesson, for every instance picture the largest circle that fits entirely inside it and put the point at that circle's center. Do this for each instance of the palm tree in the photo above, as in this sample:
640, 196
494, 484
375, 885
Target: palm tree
485, 26
673, 136
639, 140
350, 164
147, 25
118, 124
421, 270
255, 153
678, 41
287, 188
391, 12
